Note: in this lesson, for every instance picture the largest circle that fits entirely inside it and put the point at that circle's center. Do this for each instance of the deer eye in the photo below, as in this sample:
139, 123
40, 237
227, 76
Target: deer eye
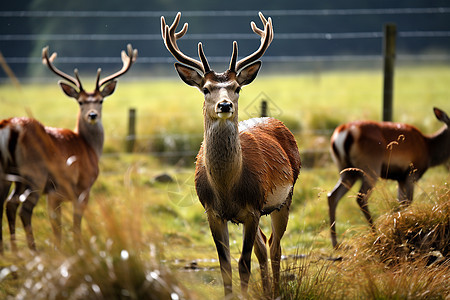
101, 101
80, 103
238, 89
205, 91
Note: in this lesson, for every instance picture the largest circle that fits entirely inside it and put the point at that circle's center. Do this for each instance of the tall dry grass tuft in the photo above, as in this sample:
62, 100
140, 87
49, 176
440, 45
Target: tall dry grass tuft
418, 232
358, 276
116, 261
405, 280
309, 277
406, 258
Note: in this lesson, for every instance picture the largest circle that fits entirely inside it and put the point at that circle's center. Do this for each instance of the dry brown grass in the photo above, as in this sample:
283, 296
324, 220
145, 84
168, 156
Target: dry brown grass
116, 261
407, 257
418, 232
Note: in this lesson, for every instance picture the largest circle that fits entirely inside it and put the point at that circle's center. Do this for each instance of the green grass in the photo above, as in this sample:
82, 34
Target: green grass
307, 102
163, 226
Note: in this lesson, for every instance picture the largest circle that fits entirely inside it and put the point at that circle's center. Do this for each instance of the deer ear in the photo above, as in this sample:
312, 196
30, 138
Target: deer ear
441, 116
248, 74
69, 90
109, 88
189, 75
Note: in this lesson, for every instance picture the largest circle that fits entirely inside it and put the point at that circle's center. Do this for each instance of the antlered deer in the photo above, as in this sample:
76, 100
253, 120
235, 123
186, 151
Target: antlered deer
58, 162
368, 150
244, 170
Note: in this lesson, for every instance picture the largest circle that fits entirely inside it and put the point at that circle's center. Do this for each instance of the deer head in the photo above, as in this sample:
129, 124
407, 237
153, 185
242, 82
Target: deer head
90, 102
220, 90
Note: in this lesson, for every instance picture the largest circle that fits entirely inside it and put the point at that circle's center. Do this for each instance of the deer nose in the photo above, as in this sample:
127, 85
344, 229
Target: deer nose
225, 107
92, 116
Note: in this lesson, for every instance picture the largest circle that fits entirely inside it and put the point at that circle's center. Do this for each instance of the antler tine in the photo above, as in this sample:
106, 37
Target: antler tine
259, 31
97, 80
78, 79
233, 57
127, 60
163, 28
170, 38
266, 39
172, 28
166, 30
49, 62
202, 56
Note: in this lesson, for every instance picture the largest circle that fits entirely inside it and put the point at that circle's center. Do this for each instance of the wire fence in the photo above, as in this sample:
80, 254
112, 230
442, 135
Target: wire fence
227, 13
441, 36
220, 36
174, 152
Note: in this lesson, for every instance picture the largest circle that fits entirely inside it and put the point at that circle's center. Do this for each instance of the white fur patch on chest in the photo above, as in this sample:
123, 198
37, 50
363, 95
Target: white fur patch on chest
250, 123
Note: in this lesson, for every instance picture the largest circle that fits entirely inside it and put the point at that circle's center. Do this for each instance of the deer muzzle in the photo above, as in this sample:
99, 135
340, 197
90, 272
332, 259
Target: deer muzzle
224, 109
92, 117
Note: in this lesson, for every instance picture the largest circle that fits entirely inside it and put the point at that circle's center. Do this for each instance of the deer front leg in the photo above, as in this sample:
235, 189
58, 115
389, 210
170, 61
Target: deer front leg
251, 226
361, 199
80, 205
344, 183
219, 231
54, 212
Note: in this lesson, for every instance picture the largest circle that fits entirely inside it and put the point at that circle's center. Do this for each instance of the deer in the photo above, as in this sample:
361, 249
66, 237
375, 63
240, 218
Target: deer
58, 162
368, 150
243, 170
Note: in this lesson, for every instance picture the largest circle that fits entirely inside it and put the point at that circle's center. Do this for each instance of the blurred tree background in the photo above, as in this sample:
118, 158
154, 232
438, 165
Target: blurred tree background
89, 33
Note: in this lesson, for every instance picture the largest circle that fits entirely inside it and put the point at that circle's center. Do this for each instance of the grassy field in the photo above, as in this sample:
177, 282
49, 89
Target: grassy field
140, 233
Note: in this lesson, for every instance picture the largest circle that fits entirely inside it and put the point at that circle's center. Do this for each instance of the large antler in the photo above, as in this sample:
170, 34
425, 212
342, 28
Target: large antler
49, 62
170, 38
266, 38
127, 60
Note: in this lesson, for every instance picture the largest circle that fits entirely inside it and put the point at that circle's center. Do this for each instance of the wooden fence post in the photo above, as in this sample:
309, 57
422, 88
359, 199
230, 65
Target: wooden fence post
131, 137
263, 108
390, 33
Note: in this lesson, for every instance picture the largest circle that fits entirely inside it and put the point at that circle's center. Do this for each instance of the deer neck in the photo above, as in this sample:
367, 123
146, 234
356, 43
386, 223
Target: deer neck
439, 146
92, 134
222, 152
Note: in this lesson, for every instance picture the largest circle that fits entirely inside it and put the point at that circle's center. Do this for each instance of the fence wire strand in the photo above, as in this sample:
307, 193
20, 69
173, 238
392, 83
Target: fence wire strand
226, 13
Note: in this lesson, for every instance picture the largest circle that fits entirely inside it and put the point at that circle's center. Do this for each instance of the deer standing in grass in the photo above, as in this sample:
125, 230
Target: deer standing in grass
368, 150
244, 170
58, 162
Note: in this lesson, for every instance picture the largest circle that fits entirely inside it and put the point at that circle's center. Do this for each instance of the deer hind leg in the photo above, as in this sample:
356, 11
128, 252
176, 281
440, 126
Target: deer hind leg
219, 231
12, 204
261, 254
25, 213
345, 182
4, 190
279, 223
406, 191
54, 212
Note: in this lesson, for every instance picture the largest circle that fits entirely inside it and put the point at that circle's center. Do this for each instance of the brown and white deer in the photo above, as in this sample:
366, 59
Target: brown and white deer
244, 170
368, 150
58, 162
